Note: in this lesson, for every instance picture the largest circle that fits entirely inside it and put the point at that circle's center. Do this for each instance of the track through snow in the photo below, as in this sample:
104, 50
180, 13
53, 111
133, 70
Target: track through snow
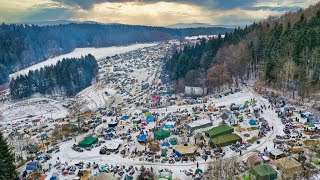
98, 53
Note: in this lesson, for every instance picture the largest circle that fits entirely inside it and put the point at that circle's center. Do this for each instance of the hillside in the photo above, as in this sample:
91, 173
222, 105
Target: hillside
25, 45
282, 52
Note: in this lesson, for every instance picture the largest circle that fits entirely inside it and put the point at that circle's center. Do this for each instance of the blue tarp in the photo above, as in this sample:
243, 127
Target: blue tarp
125, 117
165, 144
107, 136
252, 122
178, 154
150, 118
43, 136
31, 166
142, 138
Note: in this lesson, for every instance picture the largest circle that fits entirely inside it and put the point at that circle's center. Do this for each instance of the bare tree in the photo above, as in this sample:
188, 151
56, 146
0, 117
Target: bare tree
217, 76
78, 106
222, 169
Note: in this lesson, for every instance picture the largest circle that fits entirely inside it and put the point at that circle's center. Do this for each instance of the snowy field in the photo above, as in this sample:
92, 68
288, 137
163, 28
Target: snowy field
98, 53
35, 107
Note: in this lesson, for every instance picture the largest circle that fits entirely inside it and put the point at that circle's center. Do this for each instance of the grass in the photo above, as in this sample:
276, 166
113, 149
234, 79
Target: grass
240, 129
252, 140
309, 142
252, 128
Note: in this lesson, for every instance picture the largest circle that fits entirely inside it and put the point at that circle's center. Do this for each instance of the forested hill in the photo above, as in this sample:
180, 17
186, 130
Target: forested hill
25, 45
283, 52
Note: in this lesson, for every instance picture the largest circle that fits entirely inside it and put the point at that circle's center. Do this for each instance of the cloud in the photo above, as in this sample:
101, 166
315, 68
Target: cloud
45, 14
211, 4
273, 8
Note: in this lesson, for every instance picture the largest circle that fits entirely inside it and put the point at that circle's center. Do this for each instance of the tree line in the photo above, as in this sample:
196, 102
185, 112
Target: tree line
67, 77
282, 52
25, 45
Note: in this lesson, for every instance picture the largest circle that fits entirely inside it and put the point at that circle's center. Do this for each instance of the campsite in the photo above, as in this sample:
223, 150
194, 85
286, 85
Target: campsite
131, 123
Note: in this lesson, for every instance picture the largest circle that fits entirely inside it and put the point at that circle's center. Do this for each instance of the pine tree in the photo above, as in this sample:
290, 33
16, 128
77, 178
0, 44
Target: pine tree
7, 161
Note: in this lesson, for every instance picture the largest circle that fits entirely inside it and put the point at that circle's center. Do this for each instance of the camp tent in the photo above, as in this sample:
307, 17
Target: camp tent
88, 141
165, 144
147, 114
113, 144
161, 134
225, 140
173, 141
170, 125
142, 138
276, 153
185, 150
154, 147
264, 172
220, 130
289, 165
150, 118
199, 124
32, 166
165, 176
124, 118
252, 122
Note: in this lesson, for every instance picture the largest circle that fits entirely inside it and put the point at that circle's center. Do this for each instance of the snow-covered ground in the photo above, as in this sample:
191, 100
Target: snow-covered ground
98, 53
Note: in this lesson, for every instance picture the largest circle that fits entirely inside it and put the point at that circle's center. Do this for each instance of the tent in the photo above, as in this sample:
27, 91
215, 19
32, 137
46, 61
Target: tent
185, 150
264, 172
161, 134
169, 125
88, 141
276, 153
150, 118
225, 140
154, 147
147, 114
220, 130
252, 122
199, 124
289, 165
124, 118
142, 138
112, 124
107, 136
166, 144
199, 171
173, 141
32, 166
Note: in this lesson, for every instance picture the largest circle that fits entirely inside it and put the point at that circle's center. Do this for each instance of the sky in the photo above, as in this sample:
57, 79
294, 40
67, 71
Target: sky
148, 12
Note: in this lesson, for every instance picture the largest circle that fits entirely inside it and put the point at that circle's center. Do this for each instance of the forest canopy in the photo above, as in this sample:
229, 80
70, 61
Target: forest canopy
67, 77
25, 45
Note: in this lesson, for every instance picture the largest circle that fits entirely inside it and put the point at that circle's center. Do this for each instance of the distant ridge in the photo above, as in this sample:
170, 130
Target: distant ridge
197, 25
59, 22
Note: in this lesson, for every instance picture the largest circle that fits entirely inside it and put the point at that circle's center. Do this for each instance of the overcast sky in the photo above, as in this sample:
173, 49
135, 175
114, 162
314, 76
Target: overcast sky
148, 12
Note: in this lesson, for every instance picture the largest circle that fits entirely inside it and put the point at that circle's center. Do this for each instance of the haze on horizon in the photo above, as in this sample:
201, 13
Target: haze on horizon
148, 12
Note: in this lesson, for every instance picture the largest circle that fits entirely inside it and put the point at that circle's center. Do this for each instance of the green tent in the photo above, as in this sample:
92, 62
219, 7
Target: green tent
173, 141
220, 130
225, 140
164, 154
161, 134
88, 141
264, 172
147, 114
199, 171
